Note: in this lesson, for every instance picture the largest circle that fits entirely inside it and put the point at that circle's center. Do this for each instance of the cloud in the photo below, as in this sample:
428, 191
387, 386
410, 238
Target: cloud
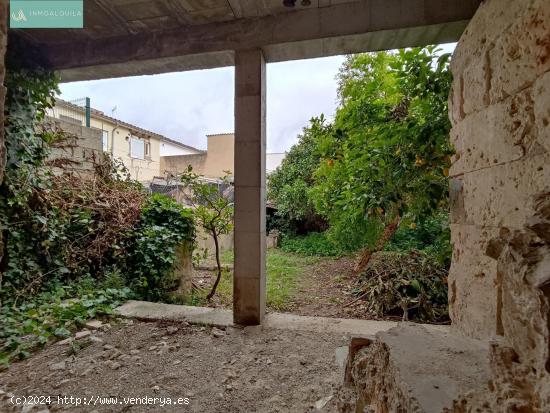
189, 105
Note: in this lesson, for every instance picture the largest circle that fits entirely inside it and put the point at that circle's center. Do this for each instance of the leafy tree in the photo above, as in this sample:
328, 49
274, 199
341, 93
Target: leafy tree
289, 185
387, 155
213, 211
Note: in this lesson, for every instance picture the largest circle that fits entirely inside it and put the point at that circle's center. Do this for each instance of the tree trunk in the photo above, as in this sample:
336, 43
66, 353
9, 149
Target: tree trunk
366, 255
219, 276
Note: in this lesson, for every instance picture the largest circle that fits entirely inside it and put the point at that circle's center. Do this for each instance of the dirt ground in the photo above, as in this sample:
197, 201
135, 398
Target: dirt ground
326, 291
236, 370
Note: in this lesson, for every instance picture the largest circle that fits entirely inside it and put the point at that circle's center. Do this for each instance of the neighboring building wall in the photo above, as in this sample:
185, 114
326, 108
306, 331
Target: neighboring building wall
500, 274
169, 149
180, 163
219, 158
83, 148
221, 155
142, 170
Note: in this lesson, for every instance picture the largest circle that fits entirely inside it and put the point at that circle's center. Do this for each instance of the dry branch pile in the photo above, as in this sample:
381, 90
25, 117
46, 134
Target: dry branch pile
105, 210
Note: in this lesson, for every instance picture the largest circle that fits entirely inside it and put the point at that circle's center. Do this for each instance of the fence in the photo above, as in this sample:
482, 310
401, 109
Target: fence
76, 111
182, 194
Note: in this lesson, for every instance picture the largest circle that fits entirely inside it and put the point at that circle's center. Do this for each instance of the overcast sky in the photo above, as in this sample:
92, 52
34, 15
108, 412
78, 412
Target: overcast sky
188, 105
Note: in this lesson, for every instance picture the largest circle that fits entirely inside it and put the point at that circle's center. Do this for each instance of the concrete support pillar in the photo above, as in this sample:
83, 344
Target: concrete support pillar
250, 145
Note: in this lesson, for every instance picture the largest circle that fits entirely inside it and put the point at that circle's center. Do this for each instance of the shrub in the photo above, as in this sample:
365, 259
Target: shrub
313, 244
163, 226
411, 285
431, 235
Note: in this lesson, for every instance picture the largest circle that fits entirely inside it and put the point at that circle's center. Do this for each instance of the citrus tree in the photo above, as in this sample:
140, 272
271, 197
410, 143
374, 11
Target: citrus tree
388, 153
290, 183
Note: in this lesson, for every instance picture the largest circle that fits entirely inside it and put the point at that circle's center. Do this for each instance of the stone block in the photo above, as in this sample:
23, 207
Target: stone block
249, 109
473, 282
249, 214
251, 246
522, 53
476, 78
248, 80
541, 98
491, 20
248, 300
413, 368
500, 133
501, 196
250, 163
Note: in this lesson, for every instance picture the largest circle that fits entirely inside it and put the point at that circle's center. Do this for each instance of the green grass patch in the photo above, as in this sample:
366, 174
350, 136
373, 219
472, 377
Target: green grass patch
284, 272
315, 244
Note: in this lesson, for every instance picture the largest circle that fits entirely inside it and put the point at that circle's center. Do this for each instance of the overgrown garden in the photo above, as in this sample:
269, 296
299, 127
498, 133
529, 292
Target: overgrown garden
375, 179
73, 248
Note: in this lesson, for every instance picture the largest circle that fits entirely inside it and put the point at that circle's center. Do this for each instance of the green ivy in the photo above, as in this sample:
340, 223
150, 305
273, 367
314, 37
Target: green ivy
151, 250
53, 314
29, 95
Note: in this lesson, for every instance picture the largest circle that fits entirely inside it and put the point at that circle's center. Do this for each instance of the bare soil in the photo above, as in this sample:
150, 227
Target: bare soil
236, 370
326, 291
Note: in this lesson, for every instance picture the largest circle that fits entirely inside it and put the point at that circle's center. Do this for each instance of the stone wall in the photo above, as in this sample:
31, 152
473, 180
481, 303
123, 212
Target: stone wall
500, 112
179, 163
500, 275
77, 153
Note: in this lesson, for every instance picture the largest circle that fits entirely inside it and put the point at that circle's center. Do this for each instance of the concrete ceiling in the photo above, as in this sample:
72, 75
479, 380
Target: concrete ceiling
134, 37
109, 18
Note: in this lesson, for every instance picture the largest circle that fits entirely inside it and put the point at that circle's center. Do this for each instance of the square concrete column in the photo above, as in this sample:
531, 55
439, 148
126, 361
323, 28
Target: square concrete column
250, 145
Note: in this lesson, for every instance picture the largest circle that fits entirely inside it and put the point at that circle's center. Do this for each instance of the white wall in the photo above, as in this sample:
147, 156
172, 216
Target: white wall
169, 149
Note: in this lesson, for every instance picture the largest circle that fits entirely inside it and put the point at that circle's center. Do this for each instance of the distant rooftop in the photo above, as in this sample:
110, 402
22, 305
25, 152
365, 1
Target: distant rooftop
138, 131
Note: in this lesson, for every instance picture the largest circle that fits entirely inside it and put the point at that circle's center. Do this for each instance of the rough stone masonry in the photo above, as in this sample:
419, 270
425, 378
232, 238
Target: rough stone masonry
499, 283
500, 274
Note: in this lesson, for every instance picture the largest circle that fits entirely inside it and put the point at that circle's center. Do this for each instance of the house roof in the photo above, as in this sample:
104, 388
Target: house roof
138, 131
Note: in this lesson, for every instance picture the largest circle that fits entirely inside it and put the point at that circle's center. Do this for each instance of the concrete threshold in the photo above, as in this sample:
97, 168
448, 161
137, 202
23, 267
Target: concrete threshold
143, 310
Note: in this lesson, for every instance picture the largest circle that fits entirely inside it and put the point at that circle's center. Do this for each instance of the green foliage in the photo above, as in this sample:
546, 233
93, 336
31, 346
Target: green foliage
430, 234
28, 97
409, 285
67, 239
54, 313
283, 274
388, 152
314, 244
289, 185
151, 250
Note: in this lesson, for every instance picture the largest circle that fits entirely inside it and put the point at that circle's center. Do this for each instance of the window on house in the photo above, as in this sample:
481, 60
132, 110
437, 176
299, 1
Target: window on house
137, 148
105, 140
148, 149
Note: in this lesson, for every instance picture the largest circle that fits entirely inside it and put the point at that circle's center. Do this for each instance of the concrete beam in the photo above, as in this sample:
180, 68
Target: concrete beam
250, 144
341, 28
